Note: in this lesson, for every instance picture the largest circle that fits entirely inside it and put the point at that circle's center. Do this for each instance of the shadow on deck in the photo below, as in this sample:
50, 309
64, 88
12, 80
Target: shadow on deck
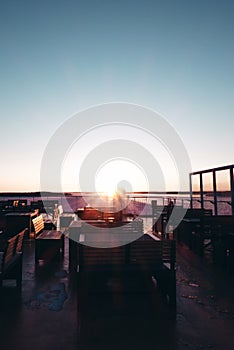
50, 314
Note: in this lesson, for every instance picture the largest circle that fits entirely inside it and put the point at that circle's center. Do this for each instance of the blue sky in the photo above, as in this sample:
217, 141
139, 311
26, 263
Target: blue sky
59, 57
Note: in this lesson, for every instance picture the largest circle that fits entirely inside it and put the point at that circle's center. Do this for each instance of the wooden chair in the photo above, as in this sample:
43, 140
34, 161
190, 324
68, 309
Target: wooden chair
11, 260
48, 243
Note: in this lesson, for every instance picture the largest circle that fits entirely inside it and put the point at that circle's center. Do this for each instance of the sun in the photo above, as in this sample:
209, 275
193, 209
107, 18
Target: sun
110, 192
119, 175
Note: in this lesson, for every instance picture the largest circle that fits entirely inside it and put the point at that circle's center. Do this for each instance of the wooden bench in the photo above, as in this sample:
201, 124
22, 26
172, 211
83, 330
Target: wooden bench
111, 234
104, 243
222, 239
157, 259
195, 229
11, 259
147, 255
48, 243
92, 258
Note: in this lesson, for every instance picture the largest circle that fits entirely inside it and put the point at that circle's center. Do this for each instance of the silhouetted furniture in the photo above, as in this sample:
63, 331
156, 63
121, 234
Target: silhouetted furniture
65, 219
37, 205
222, 239
156, 258
147, 255
101, 233
162, 220
74, 236
48, 243
44, 206
11, 259
195, 229
49, 206
11, 205
159, 216
17, 221
99, 213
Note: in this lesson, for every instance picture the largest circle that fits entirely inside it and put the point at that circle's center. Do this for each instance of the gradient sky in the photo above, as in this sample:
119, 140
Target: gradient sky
59, 57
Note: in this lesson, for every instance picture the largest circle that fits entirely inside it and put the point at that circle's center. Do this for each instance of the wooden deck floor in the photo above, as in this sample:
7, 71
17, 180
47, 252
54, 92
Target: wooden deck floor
46, 317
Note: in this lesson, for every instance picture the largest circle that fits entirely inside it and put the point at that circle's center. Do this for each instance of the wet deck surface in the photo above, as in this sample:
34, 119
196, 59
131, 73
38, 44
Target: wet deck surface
45, 316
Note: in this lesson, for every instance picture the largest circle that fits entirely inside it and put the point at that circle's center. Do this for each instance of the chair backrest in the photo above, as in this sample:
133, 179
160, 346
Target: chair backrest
10, 250
147, 251
38, 224
169, 252
19, 244
93, 256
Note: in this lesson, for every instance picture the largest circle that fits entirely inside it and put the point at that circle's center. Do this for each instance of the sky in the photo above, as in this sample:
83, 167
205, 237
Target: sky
60, 57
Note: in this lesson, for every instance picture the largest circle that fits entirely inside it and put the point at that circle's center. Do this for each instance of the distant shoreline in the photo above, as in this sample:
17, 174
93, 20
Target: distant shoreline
57, 194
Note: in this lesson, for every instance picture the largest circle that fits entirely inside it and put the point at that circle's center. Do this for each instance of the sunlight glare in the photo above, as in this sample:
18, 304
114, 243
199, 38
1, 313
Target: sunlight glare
119, 176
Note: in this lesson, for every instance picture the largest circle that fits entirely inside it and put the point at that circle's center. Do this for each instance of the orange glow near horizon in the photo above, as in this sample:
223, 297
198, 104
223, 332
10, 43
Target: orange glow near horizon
222, 181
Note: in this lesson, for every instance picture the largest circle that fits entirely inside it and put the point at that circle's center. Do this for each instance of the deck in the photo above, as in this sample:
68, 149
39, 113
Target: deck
45, 316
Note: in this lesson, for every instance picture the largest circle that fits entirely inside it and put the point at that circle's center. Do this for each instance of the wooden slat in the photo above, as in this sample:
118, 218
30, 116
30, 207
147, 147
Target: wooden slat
20, 240
12, 260
146, 252
100, 256
49, 234
38, 224
10, 250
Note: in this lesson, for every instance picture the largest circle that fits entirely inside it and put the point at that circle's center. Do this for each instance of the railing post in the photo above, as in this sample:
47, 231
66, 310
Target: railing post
191, 191
215, 193
232, 189
201, 192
